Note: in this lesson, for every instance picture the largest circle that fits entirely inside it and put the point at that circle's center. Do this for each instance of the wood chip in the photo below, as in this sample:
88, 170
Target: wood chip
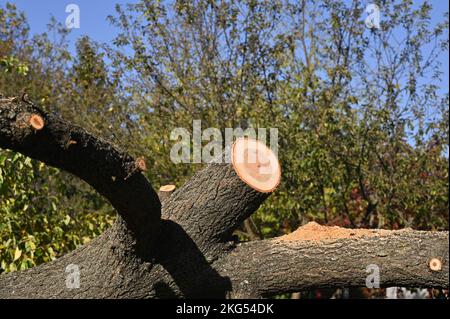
316, 232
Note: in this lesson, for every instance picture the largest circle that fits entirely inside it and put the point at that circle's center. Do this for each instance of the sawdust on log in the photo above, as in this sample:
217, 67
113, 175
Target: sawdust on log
316, 232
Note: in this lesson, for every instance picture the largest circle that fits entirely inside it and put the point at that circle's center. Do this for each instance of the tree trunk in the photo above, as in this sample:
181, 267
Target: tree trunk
187, 249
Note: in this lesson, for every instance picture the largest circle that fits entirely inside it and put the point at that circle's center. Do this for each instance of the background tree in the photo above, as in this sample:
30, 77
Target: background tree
362, 104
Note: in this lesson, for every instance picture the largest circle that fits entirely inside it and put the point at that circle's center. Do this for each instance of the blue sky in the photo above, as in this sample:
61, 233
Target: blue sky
93, 20
93, 15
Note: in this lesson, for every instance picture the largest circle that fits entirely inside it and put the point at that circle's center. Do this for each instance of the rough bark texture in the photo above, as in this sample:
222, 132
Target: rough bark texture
268, 267
190, 252
211, 205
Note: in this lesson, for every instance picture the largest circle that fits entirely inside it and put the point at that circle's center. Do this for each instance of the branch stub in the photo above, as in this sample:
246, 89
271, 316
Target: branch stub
140, 164
36, 122
435, 264
167, 188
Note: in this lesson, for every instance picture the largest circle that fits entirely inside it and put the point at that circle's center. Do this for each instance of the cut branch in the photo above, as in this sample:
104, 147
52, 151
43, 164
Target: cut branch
216, 200
37, 122
334, 257
165, 191
27, 129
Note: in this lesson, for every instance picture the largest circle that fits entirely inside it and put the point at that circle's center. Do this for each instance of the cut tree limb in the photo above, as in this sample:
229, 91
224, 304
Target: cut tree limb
217, 199
61, 144
291, 263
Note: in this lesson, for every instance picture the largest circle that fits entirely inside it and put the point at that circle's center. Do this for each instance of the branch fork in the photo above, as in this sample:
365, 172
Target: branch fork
178, 243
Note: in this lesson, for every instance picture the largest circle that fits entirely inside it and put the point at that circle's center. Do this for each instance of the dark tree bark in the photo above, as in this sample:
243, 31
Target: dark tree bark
211, 205
188, 250
268, 267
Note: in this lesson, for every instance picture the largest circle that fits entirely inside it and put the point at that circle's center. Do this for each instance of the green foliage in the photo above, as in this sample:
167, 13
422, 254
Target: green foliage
35, 226
11, 64
363, 131
44, 213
